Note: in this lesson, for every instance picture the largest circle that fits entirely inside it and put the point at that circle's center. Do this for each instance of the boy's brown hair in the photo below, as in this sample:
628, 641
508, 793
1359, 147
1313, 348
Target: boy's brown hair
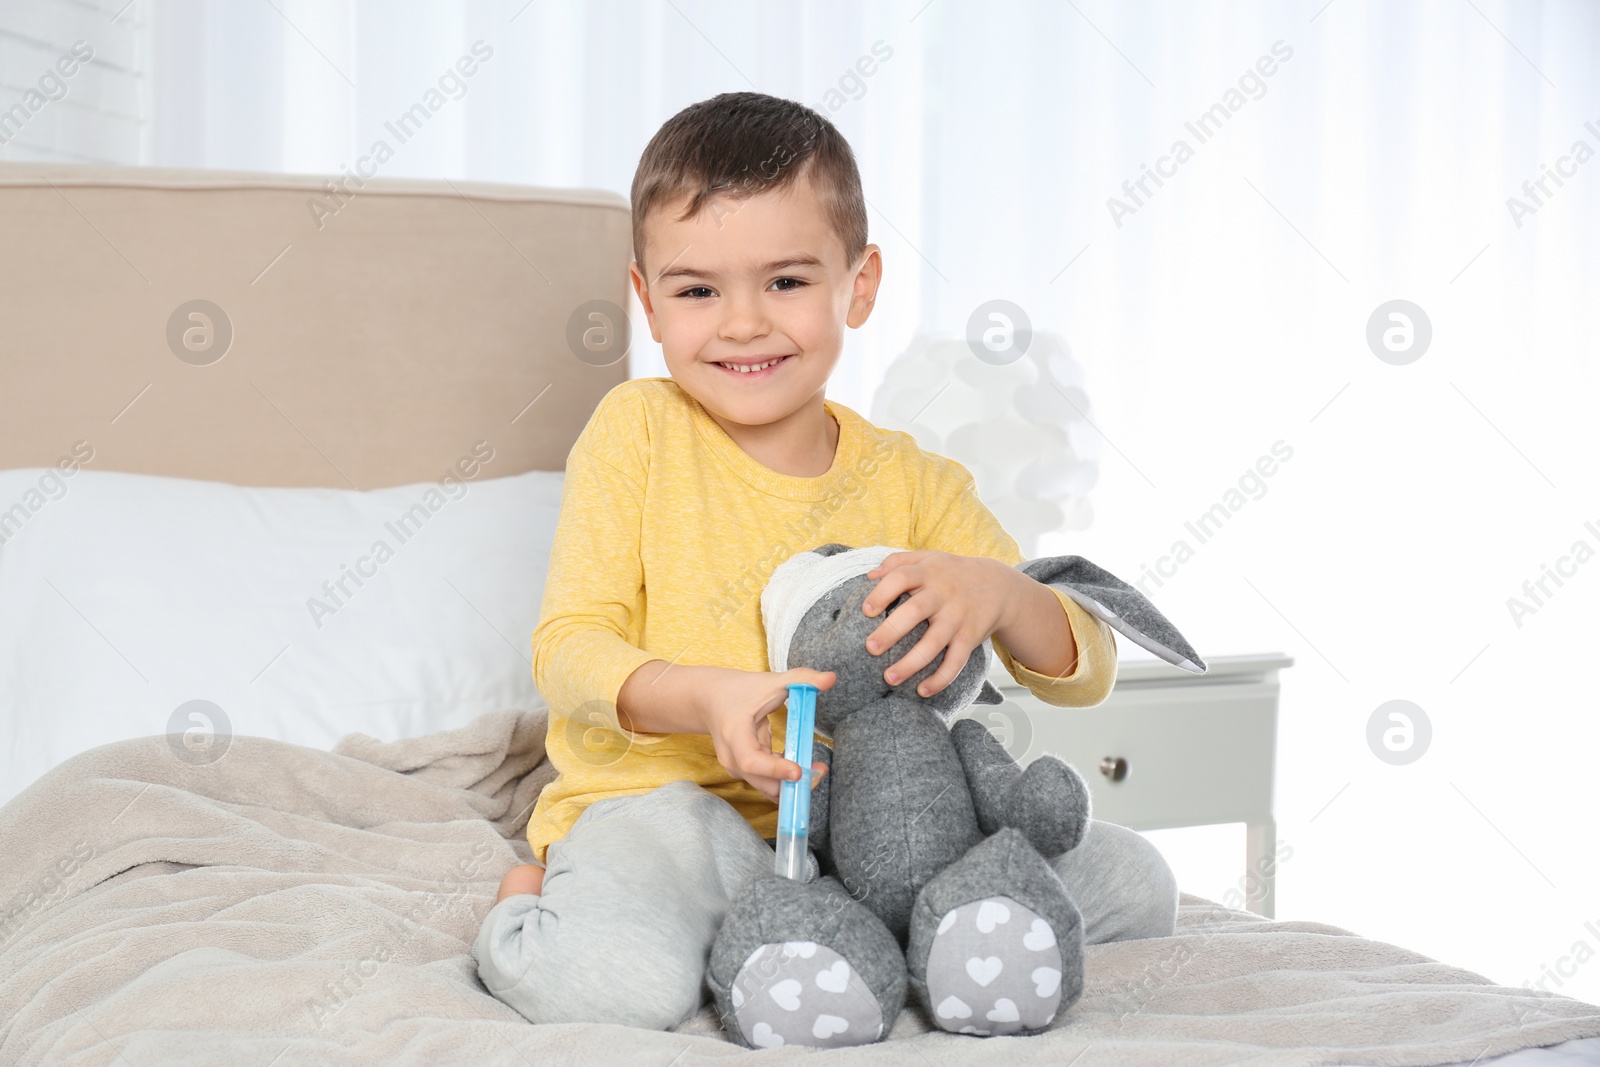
740, 144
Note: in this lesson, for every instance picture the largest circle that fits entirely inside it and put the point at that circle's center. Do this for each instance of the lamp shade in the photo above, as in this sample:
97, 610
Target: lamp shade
1022, 428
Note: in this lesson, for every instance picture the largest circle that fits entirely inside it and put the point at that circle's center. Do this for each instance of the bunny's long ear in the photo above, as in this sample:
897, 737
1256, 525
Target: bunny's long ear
1121, 606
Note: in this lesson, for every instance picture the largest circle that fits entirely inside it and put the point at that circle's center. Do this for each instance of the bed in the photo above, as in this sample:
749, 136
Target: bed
262, 779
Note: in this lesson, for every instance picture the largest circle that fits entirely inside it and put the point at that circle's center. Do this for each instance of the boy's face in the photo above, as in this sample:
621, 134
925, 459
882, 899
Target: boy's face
750, 281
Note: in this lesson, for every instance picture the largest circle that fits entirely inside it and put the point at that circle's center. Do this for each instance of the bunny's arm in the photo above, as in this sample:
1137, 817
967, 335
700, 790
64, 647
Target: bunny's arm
1048, 802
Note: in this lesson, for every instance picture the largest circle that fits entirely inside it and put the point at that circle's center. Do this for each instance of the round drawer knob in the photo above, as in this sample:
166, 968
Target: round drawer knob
1114, 768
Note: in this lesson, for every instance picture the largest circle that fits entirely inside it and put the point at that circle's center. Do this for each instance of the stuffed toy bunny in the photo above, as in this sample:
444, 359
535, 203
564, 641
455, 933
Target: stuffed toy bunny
931, 843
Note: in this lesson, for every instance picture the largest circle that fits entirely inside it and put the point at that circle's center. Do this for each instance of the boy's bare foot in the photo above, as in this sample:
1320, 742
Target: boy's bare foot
523, 878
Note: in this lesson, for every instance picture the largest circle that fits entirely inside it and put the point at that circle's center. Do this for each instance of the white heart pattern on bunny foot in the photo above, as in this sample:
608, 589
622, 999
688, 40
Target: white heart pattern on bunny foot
835, 978
1039, 937
786, 994
993, 962
992, 913
1046, 980
984, 971
803, 993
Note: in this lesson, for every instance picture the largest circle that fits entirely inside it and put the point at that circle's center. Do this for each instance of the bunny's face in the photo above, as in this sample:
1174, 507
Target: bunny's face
832, 636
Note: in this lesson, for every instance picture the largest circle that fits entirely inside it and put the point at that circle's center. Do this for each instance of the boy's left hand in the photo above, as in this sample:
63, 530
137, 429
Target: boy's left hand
964, 598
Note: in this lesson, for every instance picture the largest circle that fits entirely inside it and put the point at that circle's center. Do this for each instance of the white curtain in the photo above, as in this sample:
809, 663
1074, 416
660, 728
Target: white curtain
1221, 317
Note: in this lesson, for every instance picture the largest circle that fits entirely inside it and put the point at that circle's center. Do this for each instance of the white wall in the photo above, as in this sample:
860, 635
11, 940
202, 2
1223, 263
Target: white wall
1227, 313
73, 111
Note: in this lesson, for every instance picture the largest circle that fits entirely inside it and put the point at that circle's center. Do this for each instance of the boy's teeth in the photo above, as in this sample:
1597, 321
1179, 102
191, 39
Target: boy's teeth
750, 369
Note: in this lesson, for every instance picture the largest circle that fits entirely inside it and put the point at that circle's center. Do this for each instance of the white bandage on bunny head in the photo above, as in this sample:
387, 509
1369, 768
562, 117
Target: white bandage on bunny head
799, 582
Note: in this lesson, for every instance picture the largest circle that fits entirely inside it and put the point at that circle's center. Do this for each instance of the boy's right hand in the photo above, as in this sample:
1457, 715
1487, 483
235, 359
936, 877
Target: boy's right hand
736, 704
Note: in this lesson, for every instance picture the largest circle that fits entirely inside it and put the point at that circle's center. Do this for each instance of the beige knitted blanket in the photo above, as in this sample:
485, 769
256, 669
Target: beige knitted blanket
283, 905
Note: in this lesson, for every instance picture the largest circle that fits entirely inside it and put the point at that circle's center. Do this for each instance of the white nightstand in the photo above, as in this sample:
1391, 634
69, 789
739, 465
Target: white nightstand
1166, 749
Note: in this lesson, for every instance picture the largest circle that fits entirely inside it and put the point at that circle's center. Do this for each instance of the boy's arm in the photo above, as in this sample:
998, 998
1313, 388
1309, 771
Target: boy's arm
1041, 659
594, 588
1039, 632
1093, 672
585, 663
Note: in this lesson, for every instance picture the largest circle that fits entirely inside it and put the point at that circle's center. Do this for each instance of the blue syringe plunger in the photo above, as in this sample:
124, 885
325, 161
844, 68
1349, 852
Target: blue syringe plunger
794, 798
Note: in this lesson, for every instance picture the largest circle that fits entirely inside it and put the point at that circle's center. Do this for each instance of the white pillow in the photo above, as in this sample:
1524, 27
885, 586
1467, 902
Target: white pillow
123, 597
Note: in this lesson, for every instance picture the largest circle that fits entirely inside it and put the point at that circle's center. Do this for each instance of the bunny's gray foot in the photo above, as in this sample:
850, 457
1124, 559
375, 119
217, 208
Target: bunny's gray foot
1048, 801
805, 964
996, 942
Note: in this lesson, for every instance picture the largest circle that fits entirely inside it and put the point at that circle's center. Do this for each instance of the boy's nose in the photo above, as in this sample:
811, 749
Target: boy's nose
743, 320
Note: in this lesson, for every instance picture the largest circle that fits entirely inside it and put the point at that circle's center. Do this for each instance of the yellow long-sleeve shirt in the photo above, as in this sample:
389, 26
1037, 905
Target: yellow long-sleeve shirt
667, 535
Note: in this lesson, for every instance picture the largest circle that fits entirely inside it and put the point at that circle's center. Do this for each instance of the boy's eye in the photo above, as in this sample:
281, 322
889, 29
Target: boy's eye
701, 292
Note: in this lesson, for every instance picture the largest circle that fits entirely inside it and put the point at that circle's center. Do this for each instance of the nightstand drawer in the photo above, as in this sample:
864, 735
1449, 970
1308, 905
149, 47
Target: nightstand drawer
1191, 755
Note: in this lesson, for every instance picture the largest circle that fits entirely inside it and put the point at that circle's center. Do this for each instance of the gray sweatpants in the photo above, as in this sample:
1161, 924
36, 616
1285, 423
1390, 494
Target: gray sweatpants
634, 894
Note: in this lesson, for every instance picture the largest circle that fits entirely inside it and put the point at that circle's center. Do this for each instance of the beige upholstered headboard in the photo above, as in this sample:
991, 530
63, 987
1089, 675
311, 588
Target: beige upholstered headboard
378, 334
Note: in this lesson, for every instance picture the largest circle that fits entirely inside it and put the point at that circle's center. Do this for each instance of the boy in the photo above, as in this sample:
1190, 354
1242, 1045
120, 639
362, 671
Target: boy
681, 496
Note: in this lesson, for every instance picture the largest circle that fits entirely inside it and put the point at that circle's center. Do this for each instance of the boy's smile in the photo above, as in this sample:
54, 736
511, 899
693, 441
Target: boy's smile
757, 283
753, 367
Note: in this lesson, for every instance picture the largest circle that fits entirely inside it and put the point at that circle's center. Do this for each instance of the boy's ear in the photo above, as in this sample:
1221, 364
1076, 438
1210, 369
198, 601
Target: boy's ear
641, 290
864, 292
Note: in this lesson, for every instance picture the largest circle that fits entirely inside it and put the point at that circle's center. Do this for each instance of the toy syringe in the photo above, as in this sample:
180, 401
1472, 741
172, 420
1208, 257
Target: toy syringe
794, 798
